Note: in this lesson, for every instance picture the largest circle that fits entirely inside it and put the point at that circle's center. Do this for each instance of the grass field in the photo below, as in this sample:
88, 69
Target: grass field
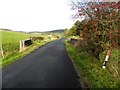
90, 70
10, 41
10, 45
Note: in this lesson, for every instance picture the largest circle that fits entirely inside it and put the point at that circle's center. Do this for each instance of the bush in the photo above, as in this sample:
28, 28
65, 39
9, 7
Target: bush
90, 70
37, 38
100, 26
88, 46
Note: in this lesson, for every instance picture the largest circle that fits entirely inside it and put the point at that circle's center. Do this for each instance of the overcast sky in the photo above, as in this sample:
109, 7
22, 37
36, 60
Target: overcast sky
35, 15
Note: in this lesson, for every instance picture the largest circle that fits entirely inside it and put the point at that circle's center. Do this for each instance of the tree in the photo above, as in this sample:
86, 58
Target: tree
73, 31
101, 23
79, 27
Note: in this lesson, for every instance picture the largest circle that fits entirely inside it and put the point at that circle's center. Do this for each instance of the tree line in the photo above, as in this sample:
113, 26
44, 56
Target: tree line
100, 27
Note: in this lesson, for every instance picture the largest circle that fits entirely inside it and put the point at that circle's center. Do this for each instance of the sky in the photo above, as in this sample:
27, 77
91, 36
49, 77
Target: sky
35, 15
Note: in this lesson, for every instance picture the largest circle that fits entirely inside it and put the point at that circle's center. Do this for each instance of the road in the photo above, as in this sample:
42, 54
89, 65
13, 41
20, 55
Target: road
47, 67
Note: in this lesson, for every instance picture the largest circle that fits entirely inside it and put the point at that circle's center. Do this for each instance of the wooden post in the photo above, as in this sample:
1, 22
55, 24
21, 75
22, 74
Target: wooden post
2, 52
23, 44
20, 45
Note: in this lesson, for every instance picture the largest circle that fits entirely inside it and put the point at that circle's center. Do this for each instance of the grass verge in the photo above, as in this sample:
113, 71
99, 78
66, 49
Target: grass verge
91, 71
17, 55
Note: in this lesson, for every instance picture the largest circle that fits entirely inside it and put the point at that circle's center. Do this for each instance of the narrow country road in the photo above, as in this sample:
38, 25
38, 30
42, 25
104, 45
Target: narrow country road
47, 67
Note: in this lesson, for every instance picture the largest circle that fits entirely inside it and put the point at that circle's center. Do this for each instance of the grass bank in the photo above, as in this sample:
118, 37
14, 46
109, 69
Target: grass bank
90, 70
17, 55
10, 46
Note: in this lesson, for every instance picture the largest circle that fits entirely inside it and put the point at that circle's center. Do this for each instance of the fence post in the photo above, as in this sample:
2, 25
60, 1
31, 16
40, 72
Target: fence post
23, 44
20, 45
2, 52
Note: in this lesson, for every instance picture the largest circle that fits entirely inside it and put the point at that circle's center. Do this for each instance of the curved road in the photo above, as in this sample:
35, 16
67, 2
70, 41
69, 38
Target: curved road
47, 67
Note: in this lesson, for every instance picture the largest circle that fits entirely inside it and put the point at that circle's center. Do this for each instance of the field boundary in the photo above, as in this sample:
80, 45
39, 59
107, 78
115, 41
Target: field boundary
25, 53
39, 47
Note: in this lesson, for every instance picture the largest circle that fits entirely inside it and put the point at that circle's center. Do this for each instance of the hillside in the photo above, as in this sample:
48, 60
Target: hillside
57, 31
52, 31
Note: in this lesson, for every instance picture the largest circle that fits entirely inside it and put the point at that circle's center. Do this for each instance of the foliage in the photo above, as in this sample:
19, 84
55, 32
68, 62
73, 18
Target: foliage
100, 26
100, 32
78, 25
37, 38
90, 70
75, 30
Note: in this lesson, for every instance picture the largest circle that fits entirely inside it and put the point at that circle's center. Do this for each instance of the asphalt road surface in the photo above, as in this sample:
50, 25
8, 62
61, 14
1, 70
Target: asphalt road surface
47, 67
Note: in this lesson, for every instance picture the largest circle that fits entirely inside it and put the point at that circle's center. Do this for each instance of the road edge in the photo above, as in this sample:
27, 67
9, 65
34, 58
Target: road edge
81, 82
